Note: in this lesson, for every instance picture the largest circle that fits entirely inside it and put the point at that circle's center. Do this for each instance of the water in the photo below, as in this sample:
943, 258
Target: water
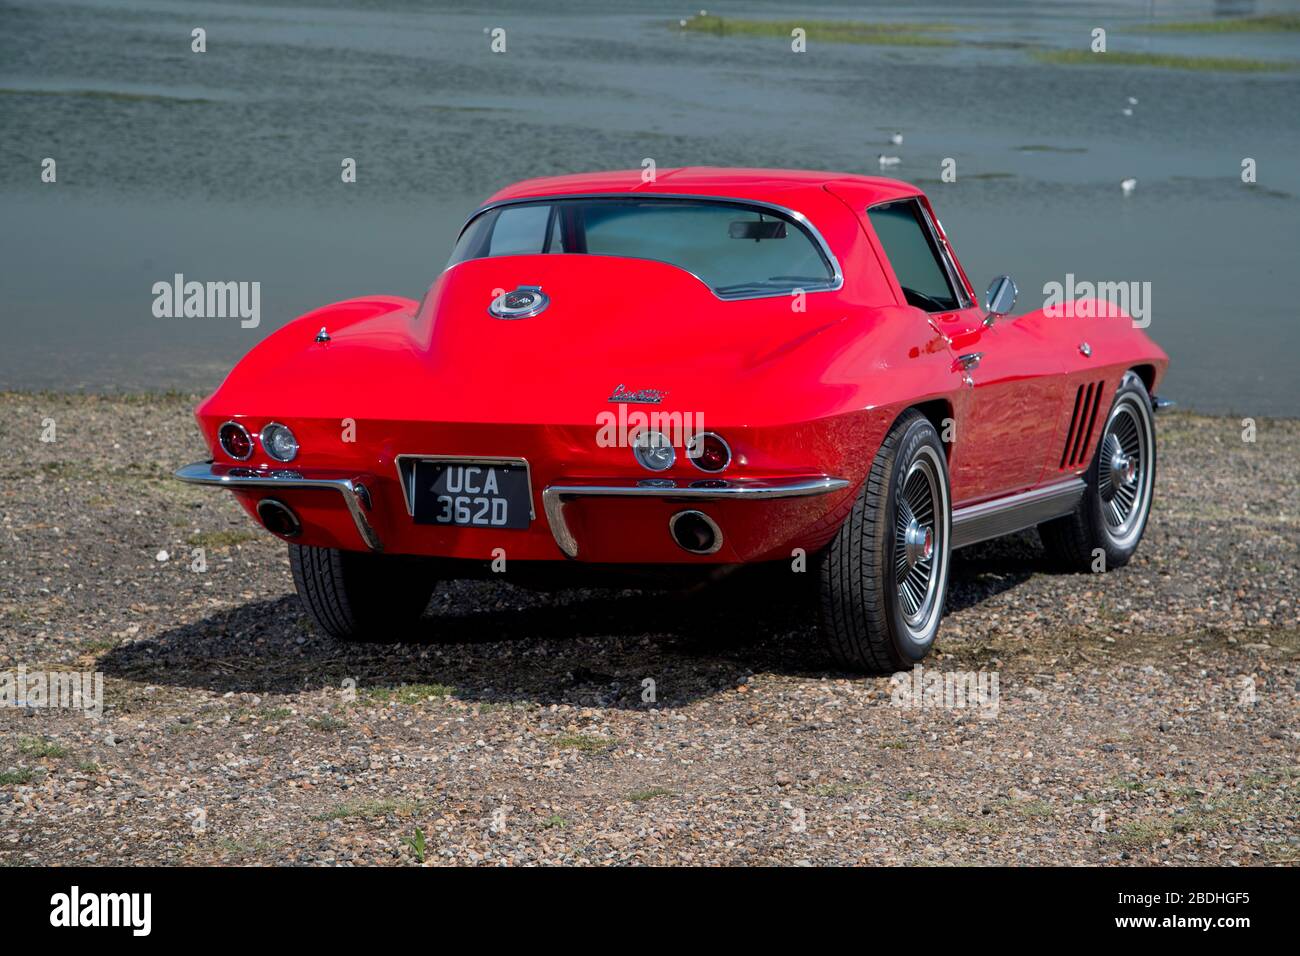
225, 165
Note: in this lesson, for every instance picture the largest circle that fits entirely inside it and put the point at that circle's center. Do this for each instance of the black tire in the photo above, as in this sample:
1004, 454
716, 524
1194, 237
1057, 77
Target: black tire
356, 596
1073, 542
864, 618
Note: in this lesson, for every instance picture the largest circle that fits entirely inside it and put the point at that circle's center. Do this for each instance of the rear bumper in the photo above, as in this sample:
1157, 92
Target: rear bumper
355, 495
363, 497
554, 497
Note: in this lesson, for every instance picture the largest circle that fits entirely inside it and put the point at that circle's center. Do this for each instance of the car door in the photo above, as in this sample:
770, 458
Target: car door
1002, 440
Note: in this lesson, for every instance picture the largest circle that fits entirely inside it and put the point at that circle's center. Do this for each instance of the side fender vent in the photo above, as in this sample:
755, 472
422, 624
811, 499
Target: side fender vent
1079, 439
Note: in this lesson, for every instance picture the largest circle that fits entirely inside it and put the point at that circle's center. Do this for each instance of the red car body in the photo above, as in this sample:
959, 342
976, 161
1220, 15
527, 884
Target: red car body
796, 394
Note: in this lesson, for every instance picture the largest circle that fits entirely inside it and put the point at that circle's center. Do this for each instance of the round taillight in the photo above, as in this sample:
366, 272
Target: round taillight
235, 440
279, 442
708, 452
653, 450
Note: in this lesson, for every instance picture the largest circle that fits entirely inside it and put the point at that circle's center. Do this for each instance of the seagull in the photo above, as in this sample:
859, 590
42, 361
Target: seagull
1128, 111
681, 23
888, 160
1128, 185
897, 139
1132, 101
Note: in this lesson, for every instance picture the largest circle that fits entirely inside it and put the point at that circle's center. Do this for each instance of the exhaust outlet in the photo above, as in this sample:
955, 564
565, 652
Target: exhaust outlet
279, 518
696, 532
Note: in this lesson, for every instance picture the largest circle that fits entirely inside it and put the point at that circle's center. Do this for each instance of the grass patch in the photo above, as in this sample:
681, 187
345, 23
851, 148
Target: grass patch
1273, 23
8, 778
416, 843
246, 848
950, 824
840, 789
641, 796
1142, 833
1211, 816
407, 693
35, 747
328, 723
1045, 148
587, 743
828, 31
101, 645
275, 713
115, 95
219, 540
370, 810
554, 822
87, 766
1171, 61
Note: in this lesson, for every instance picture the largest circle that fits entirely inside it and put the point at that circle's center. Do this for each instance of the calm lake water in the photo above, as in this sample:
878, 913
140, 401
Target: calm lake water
225, 165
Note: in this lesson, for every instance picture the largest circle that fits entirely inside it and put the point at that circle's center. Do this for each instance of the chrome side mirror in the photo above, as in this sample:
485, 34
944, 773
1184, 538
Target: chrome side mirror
1000, 299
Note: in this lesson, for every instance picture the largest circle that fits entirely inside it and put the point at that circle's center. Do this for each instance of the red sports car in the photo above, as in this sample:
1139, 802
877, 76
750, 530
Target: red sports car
719, 368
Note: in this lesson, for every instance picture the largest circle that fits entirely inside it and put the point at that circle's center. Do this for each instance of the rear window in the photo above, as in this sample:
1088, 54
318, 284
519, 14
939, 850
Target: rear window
739, 250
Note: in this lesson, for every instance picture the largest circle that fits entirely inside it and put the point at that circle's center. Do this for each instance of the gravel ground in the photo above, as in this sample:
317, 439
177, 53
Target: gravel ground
1147, 716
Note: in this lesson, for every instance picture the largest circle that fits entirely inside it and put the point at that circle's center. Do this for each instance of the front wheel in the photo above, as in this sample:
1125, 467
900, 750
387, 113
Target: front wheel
1104, 530
884, 577
356, 596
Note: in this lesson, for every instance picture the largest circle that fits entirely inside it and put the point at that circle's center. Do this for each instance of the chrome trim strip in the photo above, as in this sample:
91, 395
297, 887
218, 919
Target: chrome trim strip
1162, 404
949, 260
202, 473
946, 258
408, 494
836, 281
993, 519
554, 497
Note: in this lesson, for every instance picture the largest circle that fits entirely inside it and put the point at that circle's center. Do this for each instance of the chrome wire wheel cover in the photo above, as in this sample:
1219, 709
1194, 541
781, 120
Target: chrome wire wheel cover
1124, 472
921, 544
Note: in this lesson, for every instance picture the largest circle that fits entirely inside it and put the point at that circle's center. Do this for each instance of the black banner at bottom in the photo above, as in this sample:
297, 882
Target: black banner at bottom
335, 905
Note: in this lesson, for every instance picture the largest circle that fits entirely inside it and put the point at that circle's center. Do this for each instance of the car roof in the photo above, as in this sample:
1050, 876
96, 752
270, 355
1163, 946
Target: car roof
786, 187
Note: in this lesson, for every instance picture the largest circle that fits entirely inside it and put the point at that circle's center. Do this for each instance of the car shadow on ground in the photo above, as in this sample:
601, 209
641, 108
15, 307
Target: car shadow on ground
494, 642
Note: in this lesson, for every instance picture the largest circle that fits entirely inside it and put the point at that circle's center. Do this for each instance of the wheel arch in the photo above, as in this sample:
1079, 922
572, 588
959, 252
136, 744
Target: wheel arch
1148, 375
936, 411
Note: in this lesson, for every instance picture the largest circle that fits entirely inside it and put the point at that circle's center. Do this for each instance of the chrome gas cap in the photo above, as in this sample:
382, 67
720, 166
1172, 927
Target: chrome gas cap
524, 302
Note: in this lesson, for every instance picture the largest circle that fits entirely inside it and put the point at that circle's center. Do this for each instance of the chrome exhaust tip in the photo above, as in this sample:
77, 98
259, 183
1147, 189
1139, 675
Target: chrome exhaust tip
279, 518
696, 532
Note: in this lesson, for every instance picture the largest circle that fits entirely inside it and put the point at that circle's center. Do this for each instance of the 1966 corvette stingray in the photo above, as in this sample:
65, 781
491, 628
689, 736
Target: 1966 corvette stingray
719, 368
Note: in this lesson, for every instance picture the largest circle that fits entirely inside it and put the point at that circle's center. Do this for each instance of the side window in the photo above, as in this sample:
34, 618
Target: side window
520, 230
915, 258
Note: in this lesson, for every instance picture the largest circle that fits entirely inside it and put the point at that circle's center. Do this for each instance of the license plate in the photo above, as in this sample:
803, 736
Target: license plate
470, 495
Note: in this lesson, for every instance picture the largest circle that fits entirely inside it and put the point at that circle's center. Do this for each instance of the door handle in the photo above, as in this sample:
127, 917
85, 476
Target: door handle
971, 360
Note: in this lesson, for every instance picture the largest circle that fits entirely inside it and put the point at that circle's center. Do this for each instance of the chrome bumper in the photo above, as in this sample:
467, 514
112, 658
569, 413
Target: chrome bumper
354, 493
554, 497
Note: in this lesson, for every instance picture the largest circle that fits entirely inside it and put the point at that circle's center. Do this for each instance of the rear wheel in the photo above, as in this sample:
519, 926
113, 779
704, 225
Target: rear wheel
356, 596
1112, 515
884, 577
